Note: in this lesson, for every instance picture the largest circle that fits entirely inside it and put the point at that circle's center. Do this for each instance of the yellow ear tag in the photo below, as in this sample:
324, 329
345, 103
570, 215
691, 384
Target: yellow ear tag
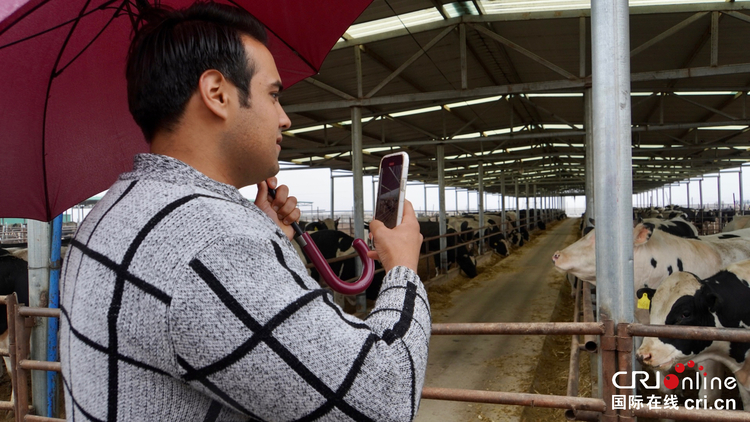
644, 302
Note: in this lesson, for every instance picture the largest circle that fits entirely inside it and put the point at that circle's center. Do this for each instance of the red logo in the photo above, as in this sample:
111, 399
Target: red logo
671, 381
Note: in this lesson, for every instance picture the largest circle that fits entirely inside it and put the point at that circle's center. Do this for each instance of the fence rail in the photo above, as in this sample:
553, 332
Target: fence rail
614, 343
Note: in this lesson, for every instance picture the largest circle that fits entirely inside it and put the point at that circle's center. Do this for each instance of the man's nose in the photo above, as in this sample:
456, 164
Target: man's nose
284, 121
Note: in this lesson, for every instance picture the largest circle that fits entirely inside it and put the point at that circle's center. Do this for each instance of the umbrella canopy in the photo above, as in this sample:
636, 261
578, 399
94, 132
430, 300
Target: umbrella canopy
66, 132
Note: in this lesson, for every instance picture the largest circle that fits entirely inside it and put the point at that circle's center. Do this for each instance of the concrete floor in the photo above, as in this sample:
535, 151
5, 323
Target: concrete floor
521, 287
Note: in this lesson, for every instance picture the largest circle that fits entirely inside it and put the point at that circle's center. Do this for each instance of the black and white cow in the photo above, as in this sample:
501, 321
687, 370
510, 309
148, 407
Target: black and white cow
467, 228
676, 226
496, 239
326, 224
657, 254
14, 277
720, 300
459, 255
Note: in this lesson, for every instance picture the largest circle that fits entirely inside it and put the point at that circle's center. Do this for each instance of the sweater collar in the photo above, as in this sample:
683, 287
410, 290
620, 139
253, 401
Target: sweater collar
171, 170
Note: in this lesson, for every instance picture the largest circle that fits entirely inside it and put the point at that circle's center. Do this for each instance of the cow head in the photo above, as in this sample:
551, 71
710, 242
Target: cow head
502, 247
465, 262
679, 300
578, 259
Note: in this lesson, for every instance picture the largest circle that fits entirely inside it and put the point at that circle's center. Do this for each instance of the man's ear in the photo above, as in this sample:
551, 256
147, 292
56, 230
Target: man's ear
214, 90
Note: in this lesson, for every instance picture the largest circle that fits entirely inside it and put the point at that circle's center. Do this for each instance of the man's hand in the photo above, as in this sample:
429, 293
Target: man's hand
282, 210
400, 245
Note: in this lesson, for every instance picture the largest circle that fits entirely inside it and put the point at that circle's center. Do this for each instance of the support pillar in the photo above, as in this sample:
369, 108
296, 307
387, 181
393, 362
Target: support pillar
440, 149
613, 167
502, 207
590, 186
480, 204
39, 244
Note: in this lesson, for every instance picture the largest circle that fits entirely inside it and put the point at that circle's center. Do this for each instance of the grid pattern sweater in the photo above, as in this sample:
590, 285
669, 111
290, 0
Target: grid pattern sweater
182, 301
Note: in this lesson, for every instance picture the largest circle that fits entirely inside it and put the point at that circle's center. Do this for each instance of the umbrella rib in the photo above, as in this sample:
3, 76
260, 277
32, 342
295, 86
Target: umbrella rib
280, 39
46, 103
52, 28
92, 40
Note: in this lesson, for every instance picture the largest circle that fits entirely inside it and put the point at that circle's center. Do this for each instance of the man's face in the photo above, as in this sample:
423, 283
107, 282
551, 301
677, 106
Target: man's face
253, 141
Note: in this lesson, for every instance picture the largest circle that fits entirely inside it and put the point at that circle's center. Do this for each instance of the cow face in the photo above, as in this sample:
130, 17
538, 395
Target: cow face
578, 259
502, 247
679, 300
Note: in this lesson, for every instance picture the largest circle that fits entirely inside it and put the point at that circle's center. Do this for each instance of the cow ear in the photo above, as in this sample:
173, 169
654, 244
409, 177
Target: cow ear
706, 298
647, 290
345, 242
642, 234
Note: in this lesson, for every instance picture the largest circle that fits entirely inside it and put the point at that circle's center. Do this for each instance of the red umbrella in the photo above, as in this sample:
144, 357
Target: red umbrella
65, 129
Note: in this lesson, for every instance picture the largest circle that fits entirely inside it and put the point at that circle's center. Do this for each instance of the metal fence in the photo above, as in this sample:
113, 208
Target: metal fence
616, 348
613, 343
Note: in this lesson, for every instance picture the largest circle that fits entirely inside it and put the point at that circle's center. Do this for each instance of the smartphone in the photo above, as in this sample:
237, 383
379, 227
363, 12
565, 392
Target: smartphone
389, 205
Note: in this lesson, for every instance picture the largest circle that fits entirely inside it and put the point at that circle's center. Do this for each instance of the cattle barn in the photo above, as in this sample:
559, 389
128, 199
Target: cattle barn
540, 101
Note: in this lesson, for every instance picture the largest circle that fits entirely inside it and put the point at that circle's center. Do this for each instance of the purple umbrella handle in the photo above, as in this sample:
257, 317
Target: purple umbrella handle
313, 253
359, 286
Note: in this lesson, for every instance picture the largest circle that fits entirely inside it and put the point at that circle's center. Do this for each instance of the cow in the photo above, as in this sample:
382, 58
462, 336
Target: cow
676, 226
511, 217
524, 233
657, 236
737, 223
656, 255
496, 239
458, 255
716, 301
326, 224
515, 238
14, 277
465, 224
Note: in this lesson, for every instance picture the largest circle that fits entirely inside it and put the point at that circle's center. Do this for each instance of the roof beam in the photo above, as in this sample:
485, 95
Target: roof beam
412, 59
535, 57
666, 34
552, 14
577, 85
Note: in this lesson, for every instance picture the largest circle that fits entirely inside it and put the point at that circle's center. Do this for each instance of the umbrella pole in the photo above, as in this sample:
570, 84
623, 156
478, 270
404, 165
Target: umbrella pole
54, 302
39, 239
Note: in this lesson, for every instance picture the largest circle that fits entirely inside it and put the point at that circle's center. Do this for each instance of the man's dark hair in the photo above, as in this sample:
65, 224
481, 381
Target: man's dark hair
170, 52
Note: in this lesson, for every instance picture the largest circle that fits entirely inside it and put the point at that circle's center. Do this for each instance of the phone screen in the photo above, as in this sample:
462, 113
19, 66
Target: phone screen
389, 188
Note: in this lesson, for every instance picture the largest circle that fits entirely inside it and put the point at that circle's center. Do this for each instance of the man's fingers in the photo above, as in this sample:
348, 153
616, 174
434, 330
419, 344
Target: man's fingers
290, 218
376, 225
262, 195
408, 208
272, 182
282, 193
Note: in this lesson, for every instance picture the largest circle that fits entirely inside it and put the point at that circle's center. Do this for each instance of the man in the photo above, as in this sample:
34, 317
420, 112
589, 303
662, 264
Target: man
183, 301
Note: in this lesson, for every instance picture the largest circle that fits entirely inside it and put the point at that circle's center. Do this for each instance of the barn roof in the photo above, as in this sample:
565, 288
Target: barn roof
519, 109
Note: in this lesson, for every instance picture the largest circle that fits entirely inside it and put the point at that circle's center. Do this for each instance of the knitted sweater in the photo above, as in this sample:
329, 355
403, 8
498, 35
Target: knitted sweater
182, 301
